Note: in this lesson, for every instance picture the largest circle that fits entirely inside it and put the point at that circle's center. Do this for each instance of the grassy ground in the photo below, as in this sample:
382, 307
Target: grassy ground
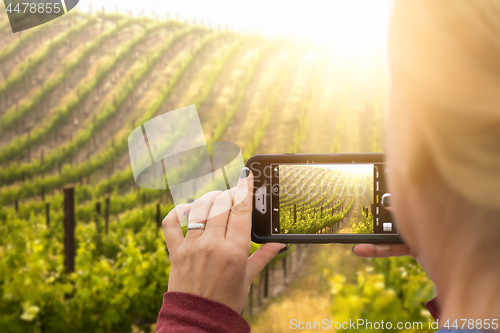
308, 297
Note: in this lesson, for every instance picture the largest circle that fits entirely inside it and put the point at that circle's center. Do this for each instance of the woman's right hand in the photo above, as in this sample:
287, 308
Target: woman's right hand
213, 262
387, 250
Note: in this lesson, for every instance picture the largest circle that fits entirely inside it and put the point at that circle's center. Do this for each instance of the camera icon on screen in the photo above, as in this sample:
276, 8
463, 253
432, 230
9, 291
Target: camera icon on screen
170, 151
26, 14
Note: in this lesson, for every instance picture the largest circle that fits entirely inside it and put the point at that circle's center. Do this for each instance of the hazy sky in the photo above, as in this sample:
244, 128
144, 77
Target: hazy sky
352, 24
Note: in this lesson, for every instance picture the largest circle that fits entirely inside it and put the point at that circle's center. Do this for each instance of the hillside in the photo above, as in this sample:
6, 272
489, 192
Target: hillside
72, 90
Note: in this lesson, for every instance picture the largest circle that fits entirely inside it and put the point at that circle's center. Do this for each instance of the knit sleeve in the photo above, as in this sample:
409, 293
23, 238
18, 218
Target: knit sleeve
433, 308
183, 312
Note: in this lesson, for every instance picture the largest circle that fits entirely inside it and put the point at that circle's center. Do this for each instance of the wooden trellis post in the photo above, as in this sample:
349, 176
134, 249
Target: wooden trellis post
29, 149
283, 261
294, 213
47, 214
259, 287
250, 301
69, 229
266, 281
297, 257
98, 214
158, 216
106, 214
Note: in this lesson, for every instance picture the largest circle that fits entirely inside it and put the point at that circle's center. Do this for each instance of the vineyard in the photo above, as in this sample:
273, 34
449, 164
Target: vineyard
72, 90
315, 199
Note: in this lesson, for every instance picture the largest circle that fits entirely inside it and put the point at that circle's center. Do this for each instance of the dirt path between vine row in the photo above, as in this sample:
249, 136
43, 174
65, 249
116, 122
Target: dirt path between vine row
308, 298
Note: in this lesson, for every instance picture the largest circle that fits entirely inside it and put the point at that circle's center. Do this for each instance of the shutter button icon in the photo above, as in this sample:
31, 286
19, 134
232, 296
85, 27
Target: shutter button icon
170, 151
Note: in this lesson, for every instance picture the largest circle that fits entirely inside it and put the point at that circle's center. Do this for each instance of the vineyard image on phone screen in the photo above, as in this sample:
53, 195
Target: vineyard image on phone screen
329, 199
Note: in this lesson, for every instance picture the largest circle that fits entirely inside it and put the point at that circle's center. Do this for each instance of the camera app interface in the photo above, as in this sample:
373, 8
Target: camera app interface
330, 199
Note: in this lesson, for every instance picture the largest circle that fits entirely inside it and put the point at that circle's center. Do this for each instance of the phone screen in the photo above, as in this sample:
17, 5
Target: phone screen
330, 199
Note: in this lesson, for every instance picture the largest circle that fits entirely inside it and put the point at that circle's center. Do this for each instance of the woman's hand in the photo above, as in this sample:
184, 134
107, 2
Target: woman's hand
389, 250
214, 262
383, 251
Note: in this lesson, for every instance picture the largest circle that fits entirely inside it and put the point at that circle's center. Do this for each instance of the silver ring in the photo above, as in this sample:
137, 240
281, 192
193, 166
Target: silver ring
196, 226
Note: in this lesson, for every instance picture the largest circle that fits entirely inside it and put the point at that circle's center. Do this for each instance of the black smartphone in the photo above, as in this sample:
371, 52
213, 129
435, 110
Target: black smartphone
321, 198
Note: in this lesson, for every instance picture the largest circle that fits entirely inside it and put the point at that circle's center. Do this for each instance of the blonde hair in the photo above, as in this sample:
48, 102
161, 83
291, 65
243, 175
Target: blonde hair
445, 55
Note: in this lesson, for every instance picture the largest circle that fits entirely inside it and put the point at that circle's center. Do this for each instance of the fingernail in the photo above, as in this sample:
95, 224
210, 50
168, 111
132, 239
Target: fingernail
353, 248
244, 172
283, 250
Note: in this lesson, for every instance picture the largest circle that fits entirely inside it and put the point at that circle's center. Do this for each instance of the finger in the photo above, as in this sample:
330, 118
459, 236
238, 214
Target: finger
260, 258
381, 251
171, 226
239, 225
218, 216
199, 213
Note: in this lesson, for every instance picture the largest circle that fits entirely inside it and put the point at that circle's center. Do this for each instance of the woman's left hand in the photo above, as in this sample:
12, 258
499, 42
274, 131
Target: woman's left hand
214, 262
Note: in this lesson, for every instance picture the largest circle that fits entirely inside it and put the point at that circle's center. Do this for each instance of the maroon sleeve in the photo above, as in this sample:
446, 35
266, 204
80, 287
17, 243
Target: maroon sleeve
183, 312
433, 308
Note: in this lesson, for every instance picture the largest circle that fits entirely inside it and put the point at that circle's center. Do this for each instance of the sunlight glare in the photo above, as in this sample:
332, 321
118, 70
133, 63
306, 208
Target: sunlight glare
349, 27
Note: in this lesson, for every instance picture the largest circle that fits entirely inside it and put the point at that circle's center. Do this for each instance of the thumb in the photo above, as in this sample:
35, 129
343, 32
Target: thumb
382, 251
260, 258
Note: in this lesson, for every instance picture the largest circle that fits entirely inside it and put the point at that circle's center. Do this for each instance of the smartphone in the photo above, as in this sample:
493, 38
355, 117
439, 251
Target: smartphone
321, 198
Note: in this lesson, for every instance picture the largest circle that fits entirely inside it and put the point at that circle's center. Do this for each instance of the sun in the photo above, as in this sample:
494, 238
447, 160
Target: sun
350, 27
